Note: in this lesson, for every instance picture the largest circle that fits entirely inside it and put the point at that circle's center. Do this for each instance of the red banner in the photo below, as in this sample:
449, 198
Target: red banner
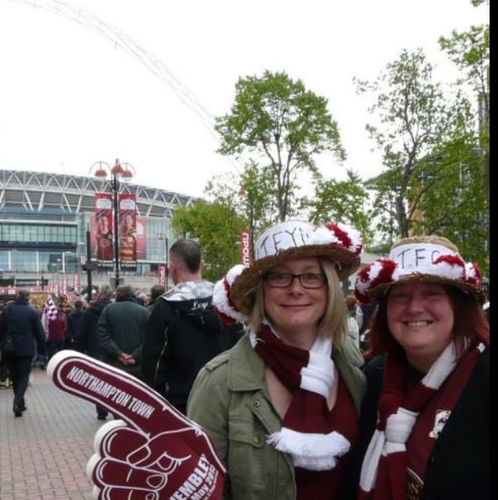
127, 232
101, 236
245, 247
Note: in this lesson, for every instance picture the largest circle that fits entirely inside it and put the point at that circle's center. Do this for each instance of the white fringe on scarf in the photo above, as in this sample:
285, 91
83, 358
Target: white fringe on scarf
309, 450
314, 451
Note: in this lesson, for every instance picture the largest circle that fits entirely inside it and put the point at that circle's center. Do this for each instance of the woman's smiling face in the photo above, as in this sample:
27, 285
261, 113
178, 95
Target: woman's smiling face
421, 318
296, 310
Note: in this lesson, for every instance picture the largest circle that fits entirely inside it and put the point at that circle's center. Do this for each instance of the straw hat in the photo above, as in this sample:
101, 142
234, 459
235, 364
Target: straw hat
423, 259
235, 294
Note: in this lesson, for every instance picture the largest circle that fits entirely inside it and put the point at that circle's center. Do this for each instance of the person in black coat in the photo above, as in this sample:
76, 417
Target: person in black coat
183, 332
85, 338
425, 421
73, 322
25, 324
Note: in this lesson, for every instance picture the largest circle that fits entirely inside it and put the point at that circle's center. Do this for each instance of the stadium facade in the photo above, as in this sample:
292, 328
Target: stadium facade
45, 223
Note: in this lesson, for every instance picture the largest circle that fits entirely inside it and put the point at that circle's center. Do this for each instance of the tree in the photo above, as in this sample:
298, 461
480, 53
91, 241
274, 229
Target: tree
216, 227
250, 193
281, 126
414, 120
452, 202
345, 201
469, 51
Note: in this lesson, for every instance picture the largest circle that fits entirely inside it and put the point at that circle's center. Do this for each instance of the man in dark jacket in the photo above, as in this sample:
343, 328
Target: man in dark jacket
24, 323
85, 338
121, 330
73, 323
183, 332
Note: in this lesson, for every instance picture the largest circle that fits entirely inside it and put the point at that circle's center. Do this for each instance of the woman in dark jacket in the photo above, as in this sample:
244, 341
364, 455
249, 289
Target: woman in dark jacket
425, 419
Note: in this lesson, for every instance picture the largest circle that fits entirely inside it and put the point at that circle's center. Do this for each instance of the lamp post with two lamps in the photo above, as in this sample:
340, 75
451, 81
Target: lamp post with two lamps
119, 171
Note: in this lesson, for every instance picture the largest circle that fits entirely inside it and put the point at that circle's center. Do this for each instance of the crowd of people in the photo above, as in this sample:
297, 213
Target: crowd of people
269, 361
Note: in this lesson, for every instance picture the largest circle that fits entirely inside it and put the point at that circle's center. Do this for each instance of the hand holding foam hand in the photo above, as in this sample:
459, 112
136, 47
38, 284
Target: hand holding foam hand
152, 451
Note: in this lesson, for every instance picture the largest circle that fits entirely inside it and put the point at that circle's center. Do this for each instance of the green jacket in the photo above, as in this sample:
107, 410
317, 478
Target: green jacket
231, 401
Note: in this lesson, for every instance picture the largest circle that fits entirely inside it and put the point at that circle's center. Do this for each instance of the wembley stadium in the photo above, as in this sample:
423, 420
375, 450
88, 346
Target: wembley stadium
45, 223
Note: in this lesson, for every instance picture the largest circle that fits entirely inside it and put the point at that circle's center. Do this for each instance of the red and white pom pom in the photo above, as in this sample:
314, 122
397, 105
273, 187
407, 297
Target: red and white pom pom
221, 297
473, 274
449, 266
338, 234
382, 271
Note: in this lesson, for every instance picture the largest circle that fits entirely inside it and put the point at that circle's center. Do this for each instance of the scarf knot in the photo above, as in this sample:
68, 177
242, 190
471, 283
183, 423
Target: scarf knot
306, 433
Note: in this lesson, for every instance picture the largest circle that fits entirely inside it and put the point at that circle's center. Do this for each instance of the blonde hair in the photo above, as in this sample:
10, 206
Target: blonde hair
333, 323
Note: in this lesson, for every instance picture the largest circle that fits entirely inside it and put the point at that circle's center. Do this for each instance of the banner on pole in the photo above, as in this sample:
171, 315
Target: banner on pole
101, 236
127, 232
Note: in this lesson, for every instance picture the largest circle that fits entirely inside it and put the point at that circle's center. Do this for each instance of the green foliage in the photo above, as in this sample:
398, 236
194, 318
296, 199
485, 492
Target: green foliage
476, 3
344, 201
452, 203
469, 51
216, 226
281, 127
414, 120
435, 158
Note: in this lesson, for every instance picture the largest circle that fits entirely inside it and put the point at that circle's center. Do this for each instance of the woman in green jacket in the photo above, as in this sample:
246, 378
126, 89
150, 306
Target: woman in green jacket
282, 405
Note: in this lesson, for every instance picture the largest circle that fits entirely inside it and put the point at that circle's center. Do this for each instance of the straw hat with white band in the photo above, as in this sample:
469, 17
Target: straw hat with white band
423, 259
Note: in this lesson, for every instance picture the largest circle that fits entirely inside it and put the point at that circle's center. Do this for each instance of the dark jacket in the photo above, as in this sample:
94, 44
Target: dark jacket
73, 323
85, 339
26, 327
183, 334
459, 465
121, 328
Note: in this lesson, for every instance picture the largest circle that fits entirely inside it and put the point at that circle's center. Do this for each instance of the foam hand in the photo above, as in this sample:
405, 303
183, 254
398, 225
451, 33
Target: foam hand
151, 451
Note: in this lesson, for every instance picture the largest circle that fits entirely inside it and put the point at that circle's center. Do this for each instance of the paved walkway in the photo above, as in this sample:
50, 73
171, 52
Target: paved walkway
43, 455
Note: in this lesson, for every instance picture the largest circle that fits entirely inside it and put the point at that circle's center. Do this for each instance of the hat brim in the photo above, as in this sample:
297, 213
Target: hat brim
243, 290
381, 290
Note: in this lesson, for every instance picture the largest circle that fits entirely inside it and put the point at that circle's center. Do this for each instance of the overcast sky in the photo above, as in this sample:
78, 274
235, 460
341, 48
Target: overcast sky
72, 94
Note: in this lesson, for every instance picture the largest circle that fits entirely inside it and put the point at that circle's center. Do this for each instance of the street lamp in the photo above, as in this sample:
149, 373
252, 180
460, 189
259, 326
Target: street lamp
125, 172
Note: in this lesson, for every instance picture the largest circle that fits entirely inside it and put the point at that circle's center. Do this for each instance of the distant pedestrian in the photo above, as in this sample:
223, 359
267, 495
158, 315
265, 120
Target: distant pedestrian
86, 340
57, 330
25, 324
121, 330
5, 381
155, 292
73, 322
143, 299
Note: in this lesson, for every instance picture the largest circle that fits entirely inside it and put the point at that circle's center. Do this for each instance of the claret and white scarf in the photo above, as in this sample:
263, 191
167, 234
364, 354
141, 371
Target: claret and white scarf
306, 432
384, 470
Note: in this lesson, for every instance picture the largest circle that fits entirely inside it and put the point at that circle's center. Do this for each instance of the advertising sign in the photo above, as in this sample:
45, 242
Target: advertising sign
245, 247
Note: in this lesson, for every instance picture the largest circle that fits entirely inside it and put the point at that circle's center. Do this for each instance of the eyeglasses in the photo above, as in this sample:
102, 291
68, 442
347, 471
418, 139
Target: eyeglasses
284, 280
